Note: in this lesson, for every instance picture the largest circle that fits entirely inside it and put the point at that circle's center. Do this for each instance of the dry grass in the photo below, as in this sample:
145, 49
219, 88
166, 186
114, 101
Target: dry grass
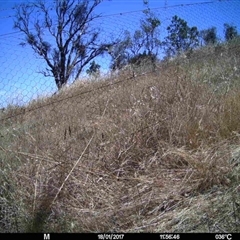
144, 154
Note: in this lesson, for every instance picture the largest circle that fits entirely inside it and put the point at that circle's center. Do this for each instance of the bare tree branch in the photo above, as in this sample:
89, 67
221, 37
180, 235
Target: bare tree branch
63, 35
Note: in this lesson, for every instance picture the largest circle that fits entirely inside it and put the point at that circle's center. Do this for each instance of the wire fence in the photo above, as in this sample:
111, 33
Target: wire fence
21, 80
42, 124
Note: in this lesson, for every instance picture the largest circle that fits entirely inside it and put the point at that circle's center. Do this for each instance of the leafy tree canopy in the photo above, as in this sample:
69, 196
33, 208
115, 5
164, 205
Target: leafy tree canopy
180, 37
143, 44
94, 69
230, 32
209, 36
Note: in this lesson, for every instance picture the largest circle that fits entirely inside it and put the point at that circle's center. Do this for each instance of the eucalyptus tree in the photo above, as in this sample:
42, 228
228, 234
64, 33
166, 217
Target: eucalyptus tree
230, 32
180, 37
63, 33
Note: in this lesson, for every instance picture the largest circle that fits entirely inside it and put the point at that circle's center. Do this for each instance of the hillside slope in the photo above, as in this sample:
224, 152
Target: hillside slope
155, 153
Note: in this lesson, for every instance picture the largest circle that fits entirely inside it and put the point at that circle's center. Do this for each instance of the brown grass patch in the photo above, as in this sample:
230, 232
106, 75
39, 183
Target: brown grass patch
148, 154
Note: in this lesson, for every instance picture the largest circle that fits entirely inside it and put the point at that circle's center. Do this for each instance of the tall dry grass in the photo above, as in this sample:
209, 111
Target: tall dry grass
149, 153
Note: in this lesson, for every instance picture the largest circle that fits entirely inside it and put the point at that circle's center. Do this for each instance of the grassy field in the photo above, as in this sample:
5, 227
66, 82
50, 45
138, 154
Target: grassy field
159, 152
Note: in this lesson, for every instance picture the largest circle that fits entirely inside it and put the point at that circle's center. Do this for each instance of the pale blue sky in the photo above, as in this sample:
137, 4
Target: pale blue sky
19, 80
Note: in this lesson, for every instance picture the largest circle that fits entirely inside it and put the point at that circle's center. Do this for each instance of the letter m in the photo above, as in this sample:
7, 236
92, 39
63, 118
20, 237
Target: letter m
46, 236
